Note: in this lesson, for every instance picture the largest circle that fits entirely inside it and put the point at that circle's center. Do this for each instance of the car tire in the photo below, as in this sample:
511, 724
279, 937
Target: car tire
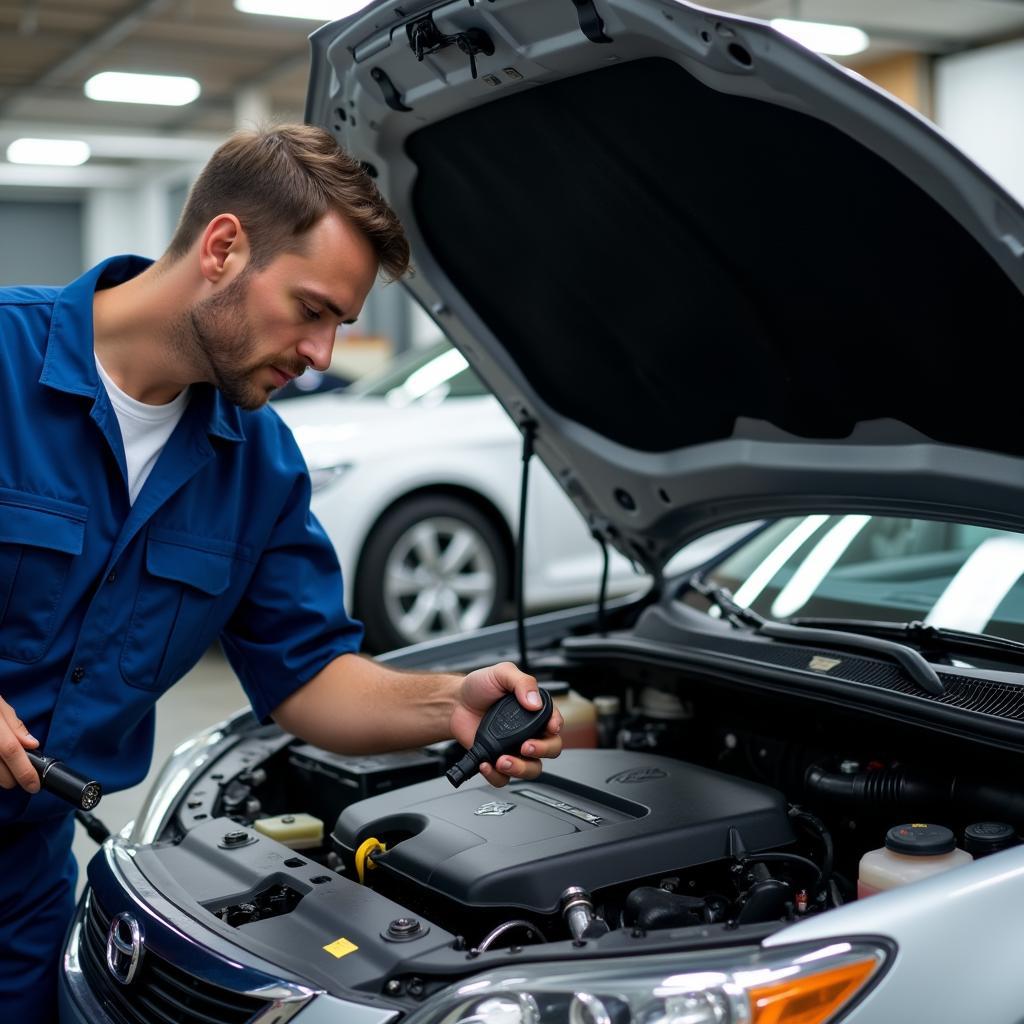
433, 566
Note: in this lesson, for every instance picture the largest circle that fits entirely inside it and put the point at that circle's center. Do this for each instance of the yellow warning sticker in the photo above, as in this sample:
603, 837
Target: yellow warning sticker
341, 947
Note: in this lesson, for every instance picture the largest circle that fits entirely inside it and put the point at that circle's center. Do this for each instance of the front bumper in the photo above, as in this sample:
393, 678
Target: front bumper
186, 973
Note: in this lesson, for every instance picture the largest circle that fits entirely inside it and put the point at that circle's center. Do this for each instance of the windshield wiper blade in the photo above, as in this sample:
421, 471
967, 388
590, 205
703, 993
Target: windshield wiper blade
910, 660
939, 639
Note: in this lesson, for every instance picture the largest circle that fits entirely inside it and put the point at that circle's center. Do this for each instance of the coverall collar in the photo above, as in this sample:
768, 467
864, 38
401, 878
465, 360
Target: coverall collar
70, 363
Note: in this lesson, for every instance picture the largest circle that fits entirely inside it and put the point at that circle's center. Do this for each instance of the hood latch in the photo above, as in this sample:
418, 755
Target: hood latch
425, 37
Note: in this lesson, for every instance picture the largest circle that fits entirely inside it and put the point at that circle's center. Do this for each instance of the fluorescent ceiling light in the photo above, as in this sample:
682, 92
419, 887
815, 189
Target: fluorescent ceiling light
836, 40
313, 10
123, 87
52, 152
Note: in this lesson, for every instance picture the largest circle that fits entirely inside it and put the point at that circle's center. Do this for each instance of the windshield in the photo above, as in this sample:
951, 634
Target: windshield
437, 372
884, 569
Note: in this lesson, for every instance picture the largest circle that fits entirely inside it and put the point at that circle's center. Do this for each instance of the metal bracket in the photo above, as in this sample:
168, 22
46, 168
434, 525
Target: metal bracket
591, 24
425, 37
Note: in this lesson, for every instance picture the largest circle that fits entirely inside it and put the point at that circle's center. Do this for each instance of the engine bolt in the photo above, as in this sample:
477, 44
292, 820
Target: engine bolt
403, 926
393, 987
235, 838
416, 988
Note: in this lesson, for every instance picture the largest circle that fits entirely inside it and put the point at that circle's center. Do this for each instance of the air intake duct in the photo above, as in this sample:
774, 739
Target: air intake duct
897, 787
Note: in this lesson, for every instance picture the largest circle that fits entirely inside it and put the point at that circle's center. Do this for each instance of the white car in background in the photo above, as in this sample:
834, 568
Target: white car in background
416, 472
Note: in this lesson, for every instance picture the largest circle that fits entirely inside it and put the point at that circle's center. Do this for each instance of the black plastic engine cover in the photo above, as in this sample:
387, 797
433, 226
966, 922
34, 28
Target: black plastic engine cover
593, 818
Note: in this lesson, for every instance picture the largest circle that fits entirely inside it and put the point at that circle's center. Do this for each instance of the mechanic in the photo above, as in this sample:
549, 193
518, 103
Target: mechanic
150, 503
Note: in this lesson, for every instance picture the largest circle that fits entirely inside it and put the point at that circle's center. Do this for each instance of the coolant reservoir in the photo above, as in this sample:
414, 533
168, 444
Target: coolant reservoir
299, 831
579, 715
911, 852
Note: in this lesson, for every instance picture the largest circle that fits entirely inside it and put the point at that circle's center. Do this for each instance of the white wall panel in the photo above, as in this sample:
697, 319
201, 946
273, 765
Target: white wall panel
979, 104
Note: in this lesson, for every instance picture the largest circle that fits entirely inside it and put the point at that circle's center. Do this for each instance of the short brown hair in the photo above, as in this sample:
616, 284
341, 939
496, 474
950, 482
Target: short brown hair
279, 182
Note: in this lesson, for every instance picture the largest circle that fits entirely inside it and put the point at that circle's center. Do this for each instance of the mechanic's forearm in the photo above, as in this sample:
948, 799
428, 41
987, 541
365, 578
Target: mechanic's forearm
356, 706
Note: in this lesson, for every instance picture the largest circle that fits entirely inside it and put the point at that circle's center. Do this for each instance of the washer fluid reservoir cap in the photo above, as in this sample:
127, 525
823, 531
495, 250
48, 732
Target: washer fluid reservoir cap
920, 840
985, 837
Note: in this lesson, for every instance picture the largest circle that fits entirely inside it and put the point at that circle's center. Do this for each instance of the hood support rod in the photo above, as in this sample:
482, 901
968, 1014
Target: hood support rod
529, 428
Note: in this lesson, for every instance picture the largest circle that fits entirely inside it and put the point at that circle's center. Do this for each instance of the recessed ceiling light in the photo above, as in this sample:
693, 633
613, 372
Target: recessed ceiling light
124, 87
835, 40
53, 152
313, 10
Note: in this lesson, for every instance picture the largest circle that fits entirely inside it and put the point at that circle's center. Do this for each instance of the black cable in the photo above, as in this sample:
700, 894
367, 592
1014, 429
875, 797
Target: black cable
97, 831
818, 827
602, 594
529, 433
780, 858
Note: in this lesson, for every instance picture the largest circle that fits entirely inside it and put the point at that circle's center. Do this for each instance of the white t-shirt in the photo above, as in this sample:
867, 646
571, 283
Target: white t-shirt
145, 429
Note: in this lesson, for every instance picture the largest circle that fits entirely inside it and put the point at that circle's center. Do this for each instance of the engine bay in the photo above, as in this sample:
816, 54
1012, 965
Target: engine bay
697, 812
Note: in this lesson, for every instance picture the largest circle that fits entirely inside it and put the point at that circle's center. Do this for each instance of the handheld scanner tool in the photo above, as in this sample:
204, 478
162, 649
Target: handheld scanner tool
502, 730
60, 780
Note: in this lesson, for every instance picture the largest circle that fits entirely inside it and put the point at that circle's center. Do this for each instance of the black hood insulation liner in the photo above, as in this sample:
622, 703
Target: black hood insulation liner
700, 257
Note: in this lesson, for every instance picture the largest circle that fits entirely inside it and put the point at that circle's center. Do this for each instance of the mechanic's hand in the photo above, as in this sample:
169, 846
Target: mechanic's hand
15, 738
480, 689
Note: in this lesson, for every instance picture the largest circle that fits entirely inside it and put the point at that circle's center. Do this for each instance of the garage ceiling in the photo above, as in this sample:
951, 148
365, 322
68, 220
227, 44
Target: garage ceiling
48, 48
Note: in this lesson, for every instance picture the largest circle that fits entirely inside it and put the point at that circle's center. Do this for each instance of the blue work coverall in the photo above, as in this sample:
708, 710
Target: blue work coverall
103, 605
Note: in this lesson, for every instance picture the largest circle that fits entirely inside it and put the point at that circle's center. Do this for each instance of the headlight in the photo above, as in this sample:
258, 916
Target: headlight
324, 476
806, 985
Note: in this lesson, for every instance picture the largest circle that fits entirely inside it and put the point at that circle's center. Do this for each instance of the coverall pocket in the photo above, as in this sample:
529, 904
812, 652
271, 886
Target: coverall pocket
178, 607
38, 539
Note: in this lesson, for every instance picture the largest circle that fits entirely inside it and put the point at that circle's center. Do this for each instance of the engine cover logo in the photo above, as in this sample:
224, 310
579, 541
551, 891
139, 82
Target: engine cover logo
495, 808
124, 948
631, 775
821, 664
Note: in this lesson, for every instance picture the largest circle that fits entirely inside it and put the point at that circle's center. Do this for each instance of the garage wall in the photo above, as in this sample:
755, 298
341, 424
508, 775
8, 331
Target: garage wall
906, 75
979, 99
42, 242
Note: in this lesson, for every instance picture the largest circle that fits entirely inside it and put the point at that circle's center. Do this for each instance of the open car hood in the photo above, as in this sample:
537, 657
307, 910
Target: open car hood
722, 277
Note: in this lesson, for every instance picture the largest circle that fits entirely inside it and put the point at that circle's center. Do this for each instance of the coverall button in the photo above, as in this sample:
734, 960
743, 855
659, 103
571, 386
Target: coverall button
77, 674
112, 578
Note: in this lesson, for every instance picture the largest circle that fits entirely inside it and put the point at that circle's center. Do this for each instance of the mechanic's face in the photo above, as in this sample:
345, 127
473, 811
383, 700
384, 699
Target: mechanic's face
268, 325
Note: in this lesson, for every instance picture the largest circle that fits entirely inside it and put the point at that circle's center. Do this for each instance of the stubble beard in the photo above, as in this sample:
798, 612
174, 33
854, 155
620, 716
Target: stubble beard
216, 334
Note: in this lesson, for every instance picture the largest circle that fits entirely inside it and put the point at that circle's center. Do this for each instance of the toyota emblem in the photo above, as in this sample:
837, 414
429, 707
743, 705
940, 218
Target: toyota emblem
494, 808
124, 948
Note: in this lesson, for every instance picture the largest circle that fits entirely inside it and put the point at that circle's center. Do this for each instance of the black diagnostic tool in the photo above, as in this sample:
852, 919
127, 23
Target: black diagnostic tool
503, 730
61, 781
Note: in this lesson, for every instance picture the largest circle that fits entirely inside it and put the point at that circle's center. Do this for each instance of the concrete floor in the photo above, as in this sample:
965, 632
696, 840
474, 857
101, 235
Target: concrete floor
209, 693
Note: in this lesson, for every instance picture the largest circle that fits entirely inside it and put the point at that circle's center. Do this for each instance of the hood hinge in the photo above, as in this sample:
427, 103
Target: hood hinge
425, 37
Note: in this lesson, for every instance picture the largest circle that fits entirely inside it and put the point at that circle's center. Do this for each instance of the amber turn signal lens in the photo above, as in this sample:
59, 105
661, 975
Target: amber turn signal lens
810, 998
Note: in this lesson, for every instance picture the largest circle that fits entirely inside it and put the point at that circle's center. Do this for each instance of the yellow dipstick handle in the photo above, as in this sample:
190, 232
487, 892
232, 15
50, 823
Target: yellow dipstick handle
364, 855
